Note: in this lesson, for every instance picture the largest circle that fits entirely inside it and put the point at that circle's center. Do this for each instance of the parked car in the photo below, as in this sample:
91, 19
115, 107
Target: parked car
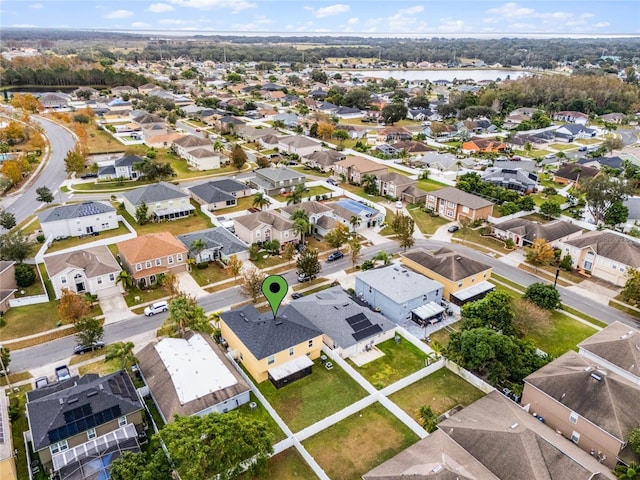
335, 256
296, 295
398, 204
157, 307
89, 175
41, 382
333, 182
582, 148
305, 278
453, 228
550, 156
80, 349
63, 373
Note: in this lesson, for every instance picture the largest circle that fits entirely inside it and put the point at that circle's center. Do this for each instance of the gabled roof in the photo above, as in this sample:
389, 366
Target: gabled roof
398, 283
533, 230
192, 141
447, 263
72, 407
94, 261
150, 246
395, 178
254, 220
277, 174
571, 171
156, 192
148, 118
618, 344
216, 237
452, 194
363, 165
328, 157
263, 336
127, 161
77, 210
601, 396
298, 141
203, 153
608, 244
310, 208
218, 190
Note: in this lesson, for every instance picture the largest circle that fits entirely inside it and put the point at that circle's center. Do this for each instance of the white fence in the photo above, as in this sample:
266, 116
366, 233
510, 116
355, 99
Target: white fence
30, 300
469, 377
497, 220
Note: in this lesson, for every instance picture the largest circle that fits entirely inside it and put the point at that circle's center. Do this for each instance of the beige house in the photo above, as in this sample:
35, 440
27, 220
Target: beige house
264, 227
299, 145
354, 168
585, 402
198, 152
393, 184
323, 159
524, 232
8, 285
455, 204
164, 201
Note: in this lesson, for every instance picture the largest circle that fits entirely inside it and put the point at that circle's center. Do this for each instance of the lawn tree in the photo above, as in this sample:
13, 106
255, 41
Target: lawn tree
217, 445
631, 290
465, 228
428, 419
493, 311
121, 351
627, 472
526, 203
260, 200
355, 221
185, 314
197, 246
289, 252
325, 130
252, 283
142, 213
73, 306
616, 214
235, 266
89, 330
25, 275
369, 184
337, 236
125, 278
540, 253
543, 295
296, 195
15, 246
5, 356
307, 263
254, 251
342, 136
601, 192
613, 143
550, 208
383, 257
44, 194
74, 161
301, 223
7, 220
355, 247
393, 112
404, 226
154, 171
634, 439
150, 465
238, 157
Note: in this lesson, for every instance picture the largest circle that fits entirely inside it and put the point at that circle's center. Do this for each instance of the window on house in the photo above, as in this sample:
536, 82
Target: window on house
91, 433
122, 421
311, 343
290, 351
473, 279
484, 275
614, 266
63, 280
179, 257
271, 360
99, 280
158, 262
460, 283
58, 447
575, 437
170, 260
147, 264
257, 233
112, 277
138, 267
105, 226
573, 417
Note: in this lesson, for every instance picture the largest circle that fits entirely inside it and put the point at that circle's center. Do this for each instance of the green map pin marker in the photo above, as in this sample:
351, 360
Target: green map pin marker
275, 288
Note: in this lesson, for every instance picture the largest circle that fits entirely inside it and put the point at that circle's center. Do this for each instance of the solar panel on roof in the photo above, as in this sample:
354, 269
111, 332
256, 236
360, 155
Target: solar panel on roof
356, 318
361, 325
367, 332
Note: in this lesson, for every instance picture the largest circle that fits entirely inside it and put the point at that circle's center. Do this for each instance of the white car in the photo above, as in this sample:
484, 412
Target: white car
157, 307
398, 204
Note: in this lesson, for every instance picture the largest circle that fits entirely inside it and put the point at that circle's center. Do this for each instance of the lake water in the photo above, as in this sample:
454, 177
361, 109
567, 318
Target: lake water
443, 74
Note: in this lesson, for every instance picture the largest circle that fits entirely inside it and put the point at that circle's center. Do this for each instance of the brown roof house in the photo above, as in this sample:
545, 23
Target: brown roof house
524, 232
493, 438
354, 168
585, 402
264, 227
455, 204
393, 184
323, 159
8, 285
464, 279
603, 254
572, 173
150, 255
191, 376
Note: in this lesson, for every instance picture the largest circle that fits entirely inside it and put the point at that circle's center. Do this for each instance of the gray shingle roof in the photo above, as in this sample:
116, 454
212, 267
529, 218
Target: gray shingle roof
157, 192
452, 194
48, 407
263, 336
618, 344
398, 283
77, 210
277, 174
217, 237
127, 161
610, 245
218, 190
311, 207
532, 230
192, 141
447, 263
94, 261
299, 141
253, 220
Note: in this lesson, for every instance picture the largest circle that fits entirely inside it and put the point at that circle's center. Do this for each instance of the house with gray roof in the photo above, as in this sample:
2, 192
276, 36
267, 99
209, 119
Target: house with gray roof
524, 232
277, 179
221, 193
77, 219
219, 244
351, 328
91, 270
299, 145
164, 201
8, 285
264, 226
84, 423
516, 179
393, 184
323, 159
280, 349
320, 215
401, 294
120, 168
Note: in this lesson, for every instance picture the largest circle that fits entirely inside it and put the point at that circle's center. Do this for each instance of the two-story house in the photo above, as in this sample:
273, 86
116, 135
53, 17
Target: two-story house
315, 211
77, 219
393, 184
164, 201
456, 205
355, 168
150, 255
464, 279
198, 152
280, 349
217, 194
276, 180
8, 285
264, 227
122, 168
85, 423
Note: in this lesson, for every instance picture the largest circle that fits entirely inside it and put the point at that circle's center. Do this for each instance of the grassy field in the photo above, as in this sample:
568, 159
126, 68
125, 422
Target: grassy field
360, 192
287, 465
426, 223
261, 414
148, 295
58, 245
442, 390
352, 447
192, 223
212, 274
564, 334
429, 185
474, 237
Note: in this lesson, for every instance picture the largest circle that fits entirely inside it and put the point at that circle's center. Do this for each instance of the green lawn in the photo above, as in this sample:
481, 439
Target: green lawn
35, 289
58, 245
360, 192
310, 172
442, 390
399, 360
311, 193
107, 185
192, 223
261, 414
17, 428
564, 334
212, 274
313, 397
425, 222
287, 465
352, 447
540, 199
388, 221
148, 295
563, 147
429, 185
474, 237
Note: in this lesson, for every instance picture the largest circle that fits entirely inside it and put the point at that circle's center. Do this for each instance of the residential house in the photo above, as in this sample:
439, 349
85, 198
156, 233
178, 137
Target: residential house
492, 439
81, 425
148, 256
191, 376
122, 168
585, 402
8, 285
323, 160
571, 117
351, 328
55, 100
298, 145
269, 141
346, 209
616, 118
615, 163
251, 133
355, 168
315, 211
477, 145
524, 232
228, 124
573, 131
197, 151
264, 227
219, 244
394, 134
515, 179
124, 90
8, 457
217, 194
606, 255
401, 294
413, 195
412, 147
280, 349
455, 204
276, 179
572, 173
90, 270
464, 279
393, 184
77, 219
444, 162
147, 88
164, 201
151, 125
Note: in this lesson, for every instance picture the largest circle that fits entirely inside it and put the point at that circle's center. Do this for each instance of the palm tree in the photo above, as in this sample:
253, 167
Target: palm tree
355, 222
383, 256
630, 472
218, 146
296, 195
125, 278
369, 185
122, 351
403, 155
197, 246
260, 200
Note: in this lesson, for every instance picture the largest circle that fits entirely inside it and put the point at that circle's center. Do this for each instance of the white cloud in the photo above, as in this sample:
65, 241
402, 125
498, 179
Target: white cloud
353, 21
601, 24
233, 5
140, 25
119, 14
259, 23
449, 25
524, 19
23, 25
174, 21
511, 9
331, 10
405, 20
160, 8
36, 6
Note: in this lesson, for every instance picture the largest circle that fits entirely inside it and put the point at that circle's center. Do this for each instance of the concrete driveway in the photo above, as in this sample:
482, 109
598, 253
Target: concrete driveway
114, 306
188, 285
442, 233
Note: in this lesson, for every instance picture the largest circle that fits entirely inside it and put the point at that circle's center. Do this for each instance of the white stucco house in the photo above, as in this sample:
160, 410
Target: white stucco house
86, 218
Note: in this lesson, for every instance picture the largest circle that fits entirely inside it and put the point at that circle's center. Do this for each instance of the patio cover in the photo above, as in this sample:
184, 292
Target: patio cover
474, 290
428, 310
291, 367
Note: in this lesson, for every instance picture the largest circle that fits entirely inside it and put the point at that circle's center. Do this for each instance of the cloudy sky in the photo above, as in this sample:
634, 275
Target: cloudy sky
428, 17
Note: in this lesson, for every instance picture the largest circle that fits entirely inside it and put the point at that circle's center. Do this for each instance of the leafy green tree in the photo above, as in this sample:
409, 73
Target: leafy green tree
296, 195
235, 266
355, 221
601, 192
15, 246
289, 251
404, 226
616, 214
509, 208
428, 419
543, 295
393, 112
185, 314
260, 200
25, 275
338, 236
355, 247
252, 283
550, 208
74, 161
122, 351
44, 194
383, 257
125, 278
540, 253
7, 220
238, 157
307, 263
634, 439
627, 472
631, 290
369, 184
319, 76
5, 356
341, 135
89, 330
197, 246
150, 465
142, 213
493, 311
154, 171
526, 203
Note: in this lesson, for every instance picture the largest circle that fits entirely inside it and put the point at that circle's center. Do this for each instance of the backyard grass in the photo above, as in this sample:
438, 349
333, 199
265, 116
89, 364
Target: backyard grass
441, 336
537, 217
442, 390
287, 465
35, 289
115, 186
399, 360
192, 223
310, 172
262, 415
313, 397
539, 199
426, 223
352, 447
212, 274
360, 192
243, 203
429, 185
58, 245
311, 193
563, 335
388, 221
562, 147
101, 367
264, 260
